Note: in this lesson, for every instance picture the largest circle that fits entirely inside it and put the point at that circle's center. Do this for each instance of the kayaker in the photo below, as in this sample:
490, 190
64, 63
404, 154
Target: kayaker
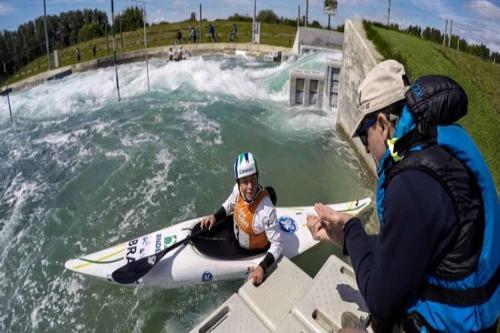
254, 216
435, 264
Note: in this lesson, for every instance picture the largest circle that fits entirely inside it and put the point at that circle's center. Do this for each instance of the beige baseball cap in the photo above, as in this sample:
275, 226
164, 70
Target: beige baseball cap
381, 87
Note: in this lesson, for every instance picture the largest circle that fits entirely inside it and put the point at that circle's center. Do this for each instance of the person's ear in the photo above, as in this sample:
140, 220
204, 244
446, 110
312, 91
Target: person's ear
383, 123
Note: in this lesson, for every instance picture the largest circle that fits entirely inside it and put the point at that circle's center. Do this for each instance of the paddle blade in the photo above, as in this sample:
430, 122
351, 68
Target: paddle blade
133, 271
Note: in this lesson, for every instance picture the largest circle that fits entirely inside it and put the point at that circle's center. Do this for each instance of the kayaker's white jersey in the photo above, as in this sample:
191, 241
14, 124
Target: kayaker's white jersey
265, 220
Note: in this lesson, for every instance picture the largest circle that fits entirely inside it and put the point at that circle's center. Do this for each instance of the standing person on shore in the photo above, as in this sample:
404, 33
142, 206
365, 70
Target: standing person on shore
435, 265
211, 32
254, 215
77, 52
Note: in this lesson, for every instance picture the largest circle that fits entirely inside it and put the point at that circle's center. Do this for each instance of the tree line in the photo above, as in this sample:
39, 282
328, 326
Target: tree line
269, 16
435, 35
20, 47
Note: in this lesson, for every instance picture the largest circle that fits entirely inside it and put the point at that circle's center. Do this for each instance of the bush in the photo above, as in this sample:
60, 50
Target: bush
89, 31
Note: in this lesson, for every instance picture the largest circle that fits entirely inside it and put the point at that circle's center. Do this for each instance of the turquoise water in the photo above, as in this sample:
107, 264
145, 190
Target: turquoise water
80, 171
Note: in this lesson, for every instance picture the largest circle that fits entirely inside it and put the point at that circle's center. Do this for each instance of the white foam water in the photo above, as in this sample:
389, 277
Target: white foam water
80, 171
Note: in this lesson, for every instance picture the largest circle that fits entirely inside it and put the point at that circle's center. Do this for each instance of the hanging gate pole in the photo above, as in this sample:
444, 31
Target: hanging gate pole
145, 42
114, 48
6, 92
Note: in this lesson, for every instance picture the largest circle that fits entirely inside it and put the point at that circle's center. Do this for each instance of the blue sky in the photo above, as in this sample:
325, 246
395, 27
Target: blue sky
478, 21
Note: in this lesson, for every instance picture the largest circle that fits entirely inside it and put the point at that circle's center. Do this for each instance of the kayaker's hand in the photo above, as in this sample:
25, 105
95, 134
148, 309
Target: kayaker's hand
208, 222
256, 275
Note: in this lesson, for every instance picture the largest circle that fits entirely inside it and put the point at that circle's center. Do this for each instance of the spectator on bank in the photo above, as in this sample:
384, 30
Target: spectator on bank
435, 264
211, 32
94, 50
77, 52
232, 35
178, 36
193, 36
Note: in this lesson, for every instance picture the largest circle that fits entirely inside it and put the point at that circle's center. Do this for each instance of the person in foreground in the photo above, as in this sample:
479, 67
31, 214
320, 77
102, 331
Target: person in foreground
434, 266
254, 216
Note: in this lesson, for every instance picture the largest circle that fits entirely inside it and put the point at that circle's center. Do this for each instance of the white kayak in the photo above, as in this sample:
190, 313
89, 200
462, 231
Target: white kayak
214, 256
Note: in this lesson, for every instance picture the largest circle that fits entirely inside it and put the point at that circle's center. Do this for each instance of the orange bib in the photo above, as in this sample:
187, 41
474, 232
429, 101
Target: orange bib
243, 216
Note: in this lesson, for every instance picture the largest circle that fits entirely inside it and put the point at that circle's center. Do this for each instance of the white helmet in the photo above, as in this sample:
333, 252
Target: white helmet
245, 165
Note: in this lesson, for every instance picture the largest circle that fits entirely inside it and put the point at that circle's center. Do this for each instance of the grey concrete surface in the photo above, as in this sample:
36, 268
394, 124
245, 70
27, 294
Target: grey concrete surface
316, 39
359, 57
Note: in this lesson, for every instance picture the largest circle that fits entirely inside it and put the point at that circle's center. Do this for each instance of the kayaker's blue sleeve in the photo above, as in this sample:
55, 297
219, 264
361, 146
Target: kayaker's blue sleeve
419, 225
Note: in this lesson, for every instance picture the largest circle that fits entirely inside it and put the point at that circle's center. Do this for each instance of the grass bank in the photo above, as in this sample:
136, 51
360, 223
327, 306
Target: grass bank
480, 79
158, 35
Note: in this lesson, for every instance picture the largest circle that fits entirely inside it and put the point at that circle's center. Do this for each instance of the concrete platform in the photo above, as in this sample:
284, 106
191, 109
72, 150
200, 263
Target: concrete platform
290, 301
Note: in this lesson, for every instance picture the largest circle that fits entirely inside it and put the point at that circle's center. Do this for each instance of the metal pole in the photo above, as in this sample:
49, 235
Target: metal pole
445, 31
121, 34
6, 92
114, 48
254, 20
46, 33
201, 27
451, 31
389, 13
107, 39
145, 41
298, 18
307, 13
10, 111
328, 21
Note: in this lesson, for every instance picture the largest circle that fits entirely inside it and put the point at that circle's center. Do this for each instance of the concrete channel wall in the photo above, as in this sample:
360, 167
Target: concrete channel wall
316, 39
138, 55
359, 57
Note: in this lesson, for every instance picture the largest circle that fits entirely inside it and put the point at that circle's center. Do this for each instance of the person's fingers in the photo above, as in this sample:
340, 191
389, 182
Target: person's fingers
315, 227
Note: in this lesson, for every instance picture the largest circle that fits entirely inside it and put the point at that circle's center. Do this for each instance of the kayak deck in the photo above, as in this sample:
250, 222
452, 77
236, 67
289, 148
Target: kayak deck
214, 257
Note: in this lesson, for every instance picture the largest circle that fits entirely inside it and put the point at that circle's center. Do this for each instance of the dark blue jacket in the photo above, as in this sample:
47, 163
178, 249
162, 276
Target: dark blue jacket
420, 224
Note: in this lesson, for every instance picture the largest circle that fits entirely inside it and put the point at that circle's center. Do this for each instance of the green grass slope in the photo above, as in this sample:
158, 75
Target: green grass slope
479, 78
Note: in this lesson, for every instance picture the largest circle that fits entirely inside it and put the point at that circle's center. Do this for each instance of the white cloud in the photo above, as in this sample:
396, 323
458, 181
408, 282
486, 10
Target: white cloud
5, 9
485, 9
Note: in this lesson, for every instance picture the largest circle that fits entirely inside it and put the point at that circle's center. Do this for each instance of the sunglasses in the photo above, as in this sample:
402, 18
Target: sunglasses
365, 125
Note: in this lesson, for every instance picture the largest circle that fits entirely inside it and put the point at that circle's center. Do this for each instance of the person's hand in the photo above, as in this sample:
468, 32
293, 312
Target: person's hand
208, 222
331, 215
328, 225
256, 275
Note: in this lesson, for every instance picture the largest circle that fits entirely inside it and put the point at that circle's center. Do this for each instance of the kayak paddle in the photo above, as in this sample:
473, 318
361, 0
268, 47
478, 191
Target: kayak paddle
133, 271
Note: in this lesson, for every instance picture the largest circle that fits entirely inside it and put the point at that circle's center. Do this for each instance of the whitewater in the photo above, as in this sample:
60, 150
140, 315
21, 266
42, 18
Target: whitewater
81, 171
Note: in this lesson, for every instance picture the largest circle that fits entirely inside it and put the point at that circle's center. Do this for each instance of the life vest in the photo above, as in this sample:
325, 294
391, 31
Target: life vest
243, 216
461, 293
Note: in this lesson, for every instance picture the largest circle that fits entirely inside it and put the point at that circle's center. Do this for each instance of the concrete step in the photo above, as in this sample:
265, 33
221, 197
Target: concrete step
289, 301
333, 292
262, 308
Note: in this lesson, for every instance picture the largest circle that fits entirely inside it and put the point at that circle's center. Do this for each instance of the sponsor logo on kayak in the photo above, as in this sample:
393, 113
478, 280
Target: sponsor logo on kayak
207, 276
169, 240
131, 249
158, 243
287, 224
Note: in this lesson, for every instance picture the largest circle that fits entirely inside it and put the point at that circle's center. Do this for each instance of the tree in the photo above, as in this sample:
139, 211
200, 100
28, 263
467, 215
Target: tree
131, 19
89, 31
238, 17
267, 16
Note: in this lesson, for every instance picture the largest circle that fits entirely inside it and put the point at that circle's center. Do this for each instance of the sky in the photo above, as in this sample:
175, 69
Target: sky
478, 21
